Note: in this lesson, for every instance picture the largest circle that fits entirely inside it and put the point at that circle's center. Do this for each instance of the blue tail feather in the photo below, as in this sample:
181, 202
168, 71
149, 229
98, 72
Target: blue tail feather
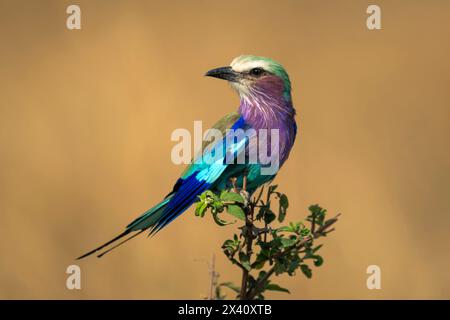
148, 219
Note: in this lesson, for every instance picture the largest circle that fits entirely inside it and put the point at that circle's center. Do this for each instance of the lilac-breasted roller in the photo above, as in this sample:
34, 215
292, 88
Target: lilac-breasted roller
266, 106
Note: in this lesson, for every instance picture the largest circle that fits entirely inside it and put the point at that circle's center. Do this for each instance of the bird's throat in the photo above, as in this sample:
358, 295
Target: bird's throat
262, 111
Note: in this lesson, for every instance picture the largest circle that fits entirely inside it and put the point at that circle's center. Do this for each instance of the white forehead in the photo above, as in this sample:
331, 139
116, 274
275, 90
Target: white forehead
241, 64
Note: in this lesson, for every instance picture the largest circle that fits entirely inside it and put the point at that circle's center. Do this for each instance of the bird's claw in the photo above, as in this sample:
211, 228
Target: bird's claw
246, 196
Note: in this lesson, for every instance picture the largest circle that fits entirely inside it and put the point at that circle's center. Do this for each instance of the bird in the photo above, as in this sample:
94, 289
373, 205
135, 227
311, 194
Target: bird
264, 90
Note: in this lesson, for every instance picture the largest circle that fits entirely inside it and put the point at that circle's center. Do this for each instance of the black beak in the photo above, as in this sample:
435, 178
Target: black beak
225, 73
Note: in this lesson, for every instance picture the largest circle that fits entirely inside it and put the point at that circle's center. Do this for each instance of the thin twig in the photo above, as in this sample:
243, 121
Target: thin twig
213, 280
249, 210
313, 224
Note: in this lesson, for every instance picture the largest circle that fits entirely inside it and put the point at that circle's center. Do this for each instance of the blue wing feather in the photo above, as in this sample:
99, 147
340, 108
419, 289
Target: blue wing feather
198, 178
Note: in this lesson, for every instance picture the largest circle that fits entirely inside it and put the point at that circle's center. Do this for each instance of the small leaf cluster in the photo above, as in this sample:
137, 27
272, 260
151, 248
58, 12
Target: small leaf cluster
261, 249
230, 201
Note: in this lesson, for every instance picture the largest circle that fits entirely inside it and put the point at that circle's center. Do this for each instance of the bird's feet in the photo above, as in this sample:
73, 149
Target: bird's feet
244, 194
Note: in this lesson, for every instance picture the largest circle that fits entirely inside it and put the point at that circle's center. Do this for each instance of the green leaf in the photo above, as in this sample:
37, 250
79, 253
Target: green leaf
284, 201
261, 259
306, 270
231, 286
219, 221
231, 197
243, 257
259, 264
210, 195
236, 211
317, 248
219, 295
272, 188
284, 204
247, 266
269, 216
285, 229
317, 214
217, 205
200, 209
261, 212
295, 262
279, 268
305, 232
245, 261
318, 260
228, 244
261, 275
287, 242
275, 287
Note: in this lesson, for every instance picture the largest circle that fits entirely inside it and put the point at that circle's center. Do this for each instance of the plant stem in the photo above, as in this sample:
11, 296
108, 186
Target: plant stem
249, 243
213, 278
248, 240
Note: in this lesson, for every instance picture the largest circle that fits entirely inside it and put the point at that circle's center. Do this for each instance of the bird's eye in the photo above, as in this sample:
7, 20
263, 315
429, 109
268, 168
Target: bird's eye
256, 72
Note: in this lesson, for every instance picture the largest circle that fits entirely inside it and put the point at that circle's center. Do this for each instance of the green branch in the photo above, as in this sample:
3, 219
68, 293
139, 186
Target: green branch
260, 247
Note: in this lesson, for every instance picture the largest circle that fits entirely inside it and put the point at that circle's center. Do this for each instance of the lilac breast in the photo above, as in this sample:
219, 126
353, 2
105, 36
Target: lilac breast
268, 106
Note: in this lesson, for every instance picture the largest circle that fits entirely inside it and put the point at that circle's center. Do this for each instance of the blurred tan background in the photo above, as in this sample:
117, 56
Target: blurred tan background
86, 118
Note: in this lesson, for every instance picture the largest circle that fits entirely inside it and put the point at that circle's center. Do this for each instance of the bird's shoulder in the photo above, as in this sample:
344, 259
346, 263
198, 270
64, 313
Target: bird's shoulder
226, 122
222, 125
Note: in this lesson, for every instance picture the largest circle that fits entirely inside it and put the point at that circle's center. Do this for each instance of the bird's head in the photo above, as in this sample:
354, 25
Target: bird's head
254, 77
